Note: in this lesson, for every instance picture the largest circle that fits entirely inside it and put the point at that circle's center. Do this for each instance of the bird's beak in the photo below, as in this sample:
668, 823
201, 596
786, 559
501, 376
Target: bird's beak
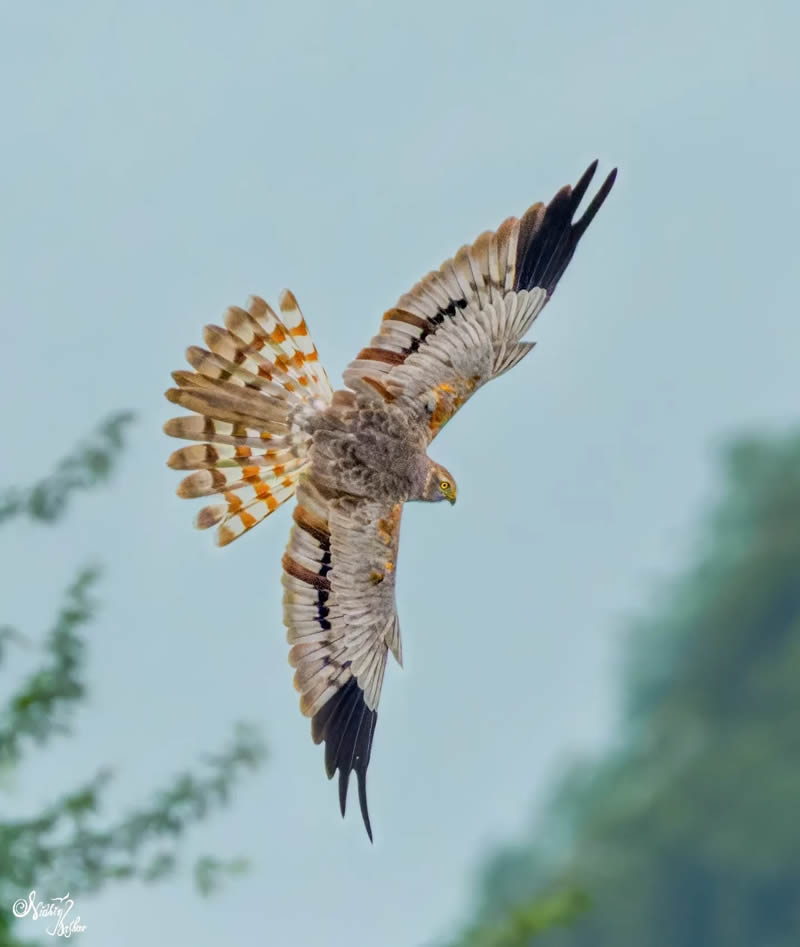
452, 498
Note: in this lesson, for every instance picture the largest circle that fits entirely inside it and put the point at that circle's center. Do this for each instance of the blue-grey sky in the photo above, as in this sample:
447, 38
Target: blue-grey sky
162, 161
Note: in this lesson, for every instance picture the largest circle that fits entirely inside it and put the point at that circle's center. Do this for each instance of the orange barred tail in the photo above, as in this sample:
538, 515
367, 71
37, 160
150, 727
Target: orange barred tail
254, 392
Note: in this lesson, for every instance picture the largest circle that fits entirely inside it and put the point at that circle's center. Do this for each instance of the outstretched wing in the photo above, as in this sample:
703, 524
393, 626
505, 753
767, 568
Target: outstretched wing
339, 609
462, 324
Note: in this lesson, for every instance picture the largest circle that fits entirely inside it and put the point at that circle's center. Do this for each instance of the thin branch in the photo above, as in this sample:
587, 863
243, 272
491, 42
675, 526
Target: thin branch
87, 466
40, 708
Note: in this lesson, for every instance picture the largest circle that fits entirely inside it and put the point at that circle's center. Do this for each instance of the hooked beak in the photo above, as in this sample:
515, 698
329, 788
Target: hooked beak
451, 497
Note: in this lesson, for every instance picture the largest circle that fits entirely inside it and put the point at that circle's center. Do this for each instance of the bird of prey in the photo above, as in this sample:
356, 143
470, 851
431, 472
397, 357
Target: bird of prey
270, 427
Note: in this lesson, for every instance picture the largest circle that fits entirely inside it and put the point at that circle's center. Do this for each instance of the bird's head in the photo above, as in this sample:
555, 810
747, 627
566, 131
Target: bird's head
440, 485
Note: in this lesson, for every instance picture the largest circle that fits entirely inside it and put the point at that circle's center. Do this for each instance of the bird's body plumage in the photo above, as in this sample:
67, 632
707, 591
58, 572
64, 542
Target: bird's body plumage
273, 428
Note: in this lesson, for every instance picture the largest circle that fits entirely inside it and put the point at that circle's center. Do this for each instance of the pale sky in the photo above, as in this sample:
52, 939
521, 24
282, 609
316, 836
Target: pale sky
163, 161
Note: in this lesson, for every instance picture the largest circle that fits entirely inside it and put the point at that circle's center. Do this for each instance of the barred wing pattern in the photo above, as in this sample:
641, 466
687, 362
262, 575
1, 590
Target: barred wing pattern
339, 608
462, 325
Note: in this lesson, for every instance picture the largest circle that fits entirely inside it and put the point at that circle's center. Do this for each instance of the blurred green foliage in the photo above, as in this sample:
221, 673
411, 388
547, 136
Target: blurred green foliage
687, 834
523, 921
72, 844
88, 465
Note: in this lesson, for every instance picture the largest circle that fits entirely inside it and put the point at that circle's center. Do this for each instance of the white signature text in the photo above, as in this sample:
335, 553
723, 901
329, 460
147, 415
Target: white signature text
55, 908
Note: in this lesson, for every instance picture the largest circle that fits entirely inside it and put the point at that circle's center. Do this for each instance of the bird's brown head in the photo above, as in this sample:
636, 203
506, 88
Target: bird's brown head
439, 485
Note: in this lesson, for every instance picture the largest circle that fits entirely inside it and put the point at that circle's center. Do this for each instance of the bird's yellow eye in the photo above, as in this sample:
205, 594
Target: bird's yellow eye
445, 484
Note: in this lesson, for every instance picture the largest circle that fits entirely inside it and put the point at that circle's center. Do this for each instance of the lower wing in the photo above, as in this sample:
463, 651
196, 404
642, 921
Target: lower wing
339, 609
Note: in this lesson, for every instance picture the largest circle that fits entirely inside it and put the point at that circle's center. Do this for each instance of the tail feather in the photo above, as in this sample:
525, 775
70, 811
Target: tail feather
240, 346
295, 357
194, 427
250, 513
254, 392
206, 482
239, 407
205, 456
295, 322
214, 366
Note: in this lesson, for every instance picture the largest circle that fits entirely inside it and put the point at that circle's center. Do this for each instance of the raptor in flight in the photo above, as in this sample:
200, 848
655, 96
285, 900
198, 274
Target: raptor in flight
270, 427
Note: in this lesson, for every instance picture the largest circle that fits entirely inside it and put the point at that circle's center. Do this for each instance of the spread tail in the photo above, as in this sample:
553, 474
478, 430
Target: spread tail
254, 391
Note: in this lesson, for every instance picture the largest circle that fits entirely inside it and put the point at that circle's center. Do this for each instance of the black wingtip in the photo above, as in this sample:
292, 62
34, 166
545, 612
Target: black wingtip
347, 725
583, 184
548, 236
344, 779
597, 202
362, 801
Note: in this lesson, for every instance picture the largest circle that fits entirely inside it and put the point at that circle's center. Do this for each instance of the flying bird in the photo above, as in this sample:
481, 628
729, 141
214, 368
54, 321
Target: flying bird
271, 427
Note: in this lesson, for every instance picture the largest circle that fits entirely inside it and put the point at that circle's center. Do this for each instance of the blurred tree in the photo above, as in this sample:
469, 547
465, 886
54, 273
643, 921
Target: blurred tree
68, 846
688, 833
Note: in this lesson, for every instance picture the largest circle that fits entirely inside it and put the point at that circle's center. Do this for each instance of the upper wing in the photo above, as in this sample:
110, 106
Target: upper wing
462, 324
339, 610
